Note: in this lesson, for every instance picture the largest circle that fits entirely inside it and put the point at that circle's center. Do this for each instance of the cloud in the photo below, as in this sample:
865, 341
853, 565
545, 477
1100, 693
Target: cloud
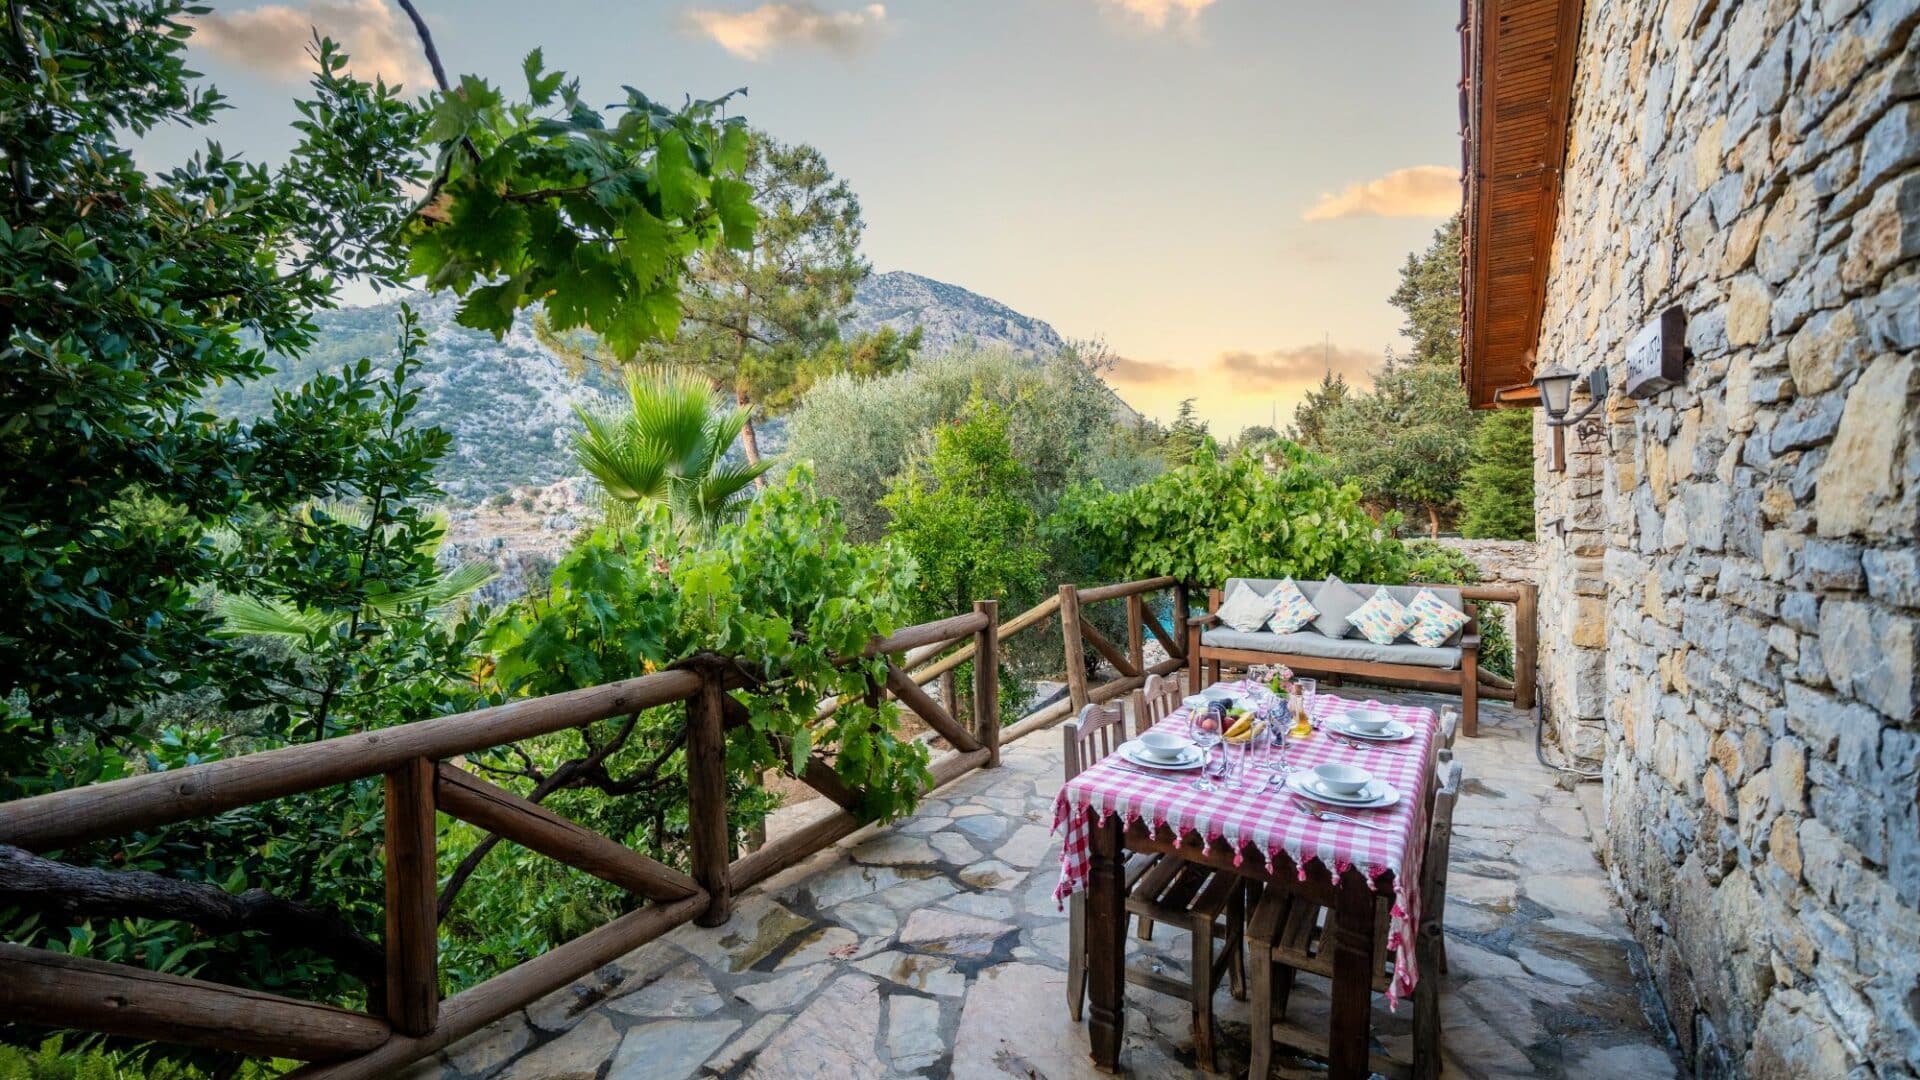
1421, 191
273, 39
754, 33
1127, 370
1296, 366
1157, 13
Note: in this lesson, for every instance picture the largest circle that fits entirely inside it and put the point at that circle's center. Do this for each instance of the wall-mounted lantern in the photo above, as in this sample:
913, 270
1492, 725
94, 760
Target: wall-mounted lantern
1555, 383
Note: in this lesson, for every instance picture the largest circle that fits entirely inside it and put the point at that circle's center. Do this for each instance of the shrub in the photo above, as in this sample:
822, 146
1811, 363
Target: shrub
1266, 512
1437, 565
1064, 425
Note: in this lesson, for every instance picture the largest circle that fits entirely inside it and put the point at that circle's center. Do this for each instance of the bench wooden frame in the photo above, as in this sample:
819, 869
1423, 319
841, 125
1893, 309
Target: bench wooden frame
1204, 662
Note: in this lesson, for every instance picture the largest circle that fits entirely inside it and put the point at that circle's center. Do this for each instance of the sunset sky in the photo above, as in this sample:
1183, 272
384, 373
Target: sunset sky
1220, 190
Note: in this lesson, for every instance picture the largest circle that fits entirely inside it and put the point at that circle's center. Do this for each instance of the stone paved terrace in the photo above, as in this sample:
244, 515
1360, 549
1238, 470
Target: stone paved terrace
932, 948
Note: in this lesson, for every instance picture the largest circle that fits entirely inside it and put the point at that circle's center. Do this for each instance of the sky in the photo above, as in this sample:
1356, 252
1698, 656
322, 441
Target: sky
1220, 191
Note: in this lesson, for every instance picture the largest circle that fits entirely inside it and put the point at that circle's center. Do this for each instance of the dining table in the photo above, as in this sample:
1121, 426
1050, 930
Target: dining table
1260, 831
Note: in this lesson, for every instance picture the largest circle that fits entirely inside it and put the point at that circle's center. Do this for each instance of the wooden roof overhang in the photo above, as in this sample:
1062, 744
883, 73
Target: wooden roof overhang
1516, 92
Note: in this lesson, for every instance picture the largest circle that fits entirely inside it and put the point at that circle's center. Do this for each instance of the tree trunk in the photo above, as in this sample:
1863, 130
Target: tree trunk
1433, 522
749, 440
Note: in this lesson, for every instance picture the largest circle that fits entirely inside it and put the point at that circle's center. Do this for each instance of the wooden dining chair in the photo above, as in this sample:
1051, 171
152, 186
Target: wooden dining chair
1289, 935
1210, 905
1155, 702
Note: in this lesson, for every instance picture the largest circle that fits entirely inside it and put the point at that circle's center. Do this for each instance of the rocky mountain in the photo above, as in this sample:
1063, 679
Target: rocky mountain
946, 314
509, 404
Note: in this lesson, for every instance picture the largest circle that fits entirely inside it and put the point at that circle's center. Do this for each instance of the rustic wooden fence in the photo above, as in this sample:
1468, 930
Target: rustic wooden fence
418, 763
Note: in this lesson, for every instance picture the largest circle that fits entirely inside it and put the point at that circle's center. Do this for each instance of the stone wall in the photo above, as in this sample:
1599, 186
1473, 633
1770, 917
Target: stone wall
1730, 593
1501, 562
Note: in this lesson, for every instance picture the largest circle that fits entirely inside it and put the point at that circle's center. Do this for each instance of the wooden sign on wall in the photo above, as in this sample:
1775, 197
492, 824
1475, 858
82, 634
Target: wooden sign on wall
1657, 355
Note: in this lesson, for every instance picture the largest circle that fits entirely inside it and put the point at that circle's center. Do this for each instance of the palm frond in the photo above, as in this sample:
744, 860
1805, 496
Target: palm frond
269, 618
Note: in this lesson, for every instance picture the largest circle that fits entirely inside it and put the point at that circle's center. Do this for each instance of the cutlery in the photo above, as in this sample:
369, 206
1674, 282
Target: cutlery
1146, 772
1327, 815
1362, 744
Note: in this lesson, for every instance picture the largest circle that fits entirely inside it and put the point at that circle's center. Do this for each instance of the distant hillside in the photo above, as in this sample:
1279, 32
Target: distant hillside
509, 404
947, 315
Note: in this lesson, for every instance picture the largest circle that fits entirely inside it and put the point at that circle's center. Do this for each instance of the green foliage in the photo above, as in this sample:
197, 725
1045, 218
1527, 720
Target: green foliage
965, 513
1322, 406
546, 200
668, 446
1237, 517
1496, 501
1436, 565
53, 1061
1406, 443
1064, 424
127, 295
781, 590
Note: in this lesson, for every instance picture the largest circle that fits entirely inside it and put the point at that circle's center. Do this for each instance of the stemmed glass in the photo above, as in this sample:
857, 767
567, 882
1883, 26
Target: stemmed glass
1204, 728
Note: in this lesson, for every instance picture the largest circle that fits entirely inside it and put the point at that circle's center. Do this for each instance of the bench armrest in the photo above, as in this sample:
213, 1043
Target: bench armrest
1470, 643
1204, 621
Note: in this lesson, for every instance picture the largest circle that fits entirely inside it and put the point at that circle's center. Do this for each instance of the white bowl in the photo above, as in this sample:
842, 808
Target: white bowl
1368, 720
1347, 780
1163, 745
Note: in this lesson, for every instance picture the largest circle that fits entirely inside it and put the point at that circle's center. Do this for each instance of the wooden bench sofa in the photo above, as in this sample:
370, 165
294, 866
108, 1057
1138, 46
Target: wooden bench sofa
1454, 665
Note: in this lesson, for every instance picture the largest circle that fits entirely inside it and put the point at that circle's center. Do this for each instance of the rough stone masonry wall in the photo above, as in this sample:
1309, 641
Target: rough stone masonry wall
1731, 598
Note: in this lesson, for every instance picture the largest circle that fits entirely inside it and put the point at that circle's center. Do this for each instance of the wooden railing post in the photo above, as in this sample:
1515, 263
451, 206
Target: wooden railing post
412, 944
707, 797
1076, 660
1180, 614
986, 681
1526, 645
1136, 618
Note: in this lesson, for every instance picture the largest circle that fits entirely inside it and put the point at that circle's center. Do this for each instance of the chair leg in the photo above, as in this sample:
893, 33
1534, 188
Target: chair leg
1260, 1011
1076, 955
1202, 983
1426, 1017
1145, 930
1237, 942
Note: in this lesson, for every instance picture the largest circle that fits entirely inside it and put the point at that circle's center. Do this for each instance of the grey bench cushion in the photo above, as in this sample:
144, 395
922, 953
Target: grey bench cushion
1402, 593
1314, 643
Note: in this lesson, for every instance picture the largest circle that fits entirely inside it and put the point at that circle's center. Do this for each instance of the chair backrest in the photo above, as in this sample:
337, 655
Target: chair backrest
1433, 865
1099, 731
1160, 697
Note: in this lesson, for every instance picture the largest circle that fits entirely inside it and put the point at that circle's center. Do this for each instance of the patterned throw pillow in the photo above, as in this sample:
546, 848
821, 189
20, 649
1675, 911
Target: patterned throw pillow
1382, 619
1291, 608
1437, 620
1245, 610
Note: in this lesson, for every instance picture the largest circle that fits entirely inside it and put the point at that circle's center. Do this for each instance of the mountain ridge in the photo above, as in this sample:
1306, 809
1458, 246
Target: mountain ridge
509, 404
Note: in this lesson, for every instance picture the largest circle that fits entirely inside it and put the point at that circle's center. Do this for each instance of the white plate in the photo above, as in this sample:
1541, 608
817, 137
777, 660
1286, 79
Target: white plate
1134, 752
1377, 793
1395, 731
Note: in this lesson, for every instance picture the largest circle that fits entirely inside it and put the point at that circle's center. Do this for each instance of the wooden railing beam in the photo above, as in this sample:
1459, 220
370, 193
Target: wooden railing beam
929, 710
1124, 588
57, 990
63, 818
534, 827
1108, 649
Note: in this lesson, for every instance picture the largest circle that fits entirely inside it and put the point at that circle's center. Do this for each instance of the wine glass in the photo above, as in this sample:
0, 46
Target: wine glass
1203, 725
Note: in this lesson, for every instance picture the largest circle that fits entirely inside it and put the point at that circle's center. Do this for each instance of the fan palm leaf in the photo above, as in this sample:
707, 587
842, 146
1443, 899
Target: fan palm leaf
669, 445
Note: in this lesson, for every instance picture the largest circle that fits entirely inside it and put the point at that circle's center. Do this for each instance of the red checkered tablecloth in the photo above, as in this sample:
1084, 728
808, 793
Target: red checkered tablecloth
1261, 821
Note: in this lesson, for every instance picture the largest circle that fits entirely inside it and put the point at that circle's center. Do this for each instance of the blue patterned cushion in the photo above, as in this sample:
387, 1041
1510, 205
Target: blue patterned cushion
1291, 608
1382, 619
1435, 620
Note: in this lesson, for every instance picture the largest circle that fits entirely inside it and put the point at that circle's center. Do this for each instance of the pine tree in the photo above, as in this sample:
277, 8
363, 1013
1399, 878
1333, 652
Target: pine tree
1496, 501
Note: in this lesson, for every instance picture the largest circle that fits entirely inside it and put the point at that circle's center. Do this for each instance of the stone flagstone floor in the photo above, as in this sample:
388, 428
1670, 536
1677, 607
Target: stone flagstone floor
932, 948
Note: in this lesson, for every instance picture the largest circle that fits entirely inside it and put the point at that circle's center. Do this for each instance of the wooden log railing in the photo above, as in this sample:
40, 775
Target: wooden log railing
417, 764
1130, 663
